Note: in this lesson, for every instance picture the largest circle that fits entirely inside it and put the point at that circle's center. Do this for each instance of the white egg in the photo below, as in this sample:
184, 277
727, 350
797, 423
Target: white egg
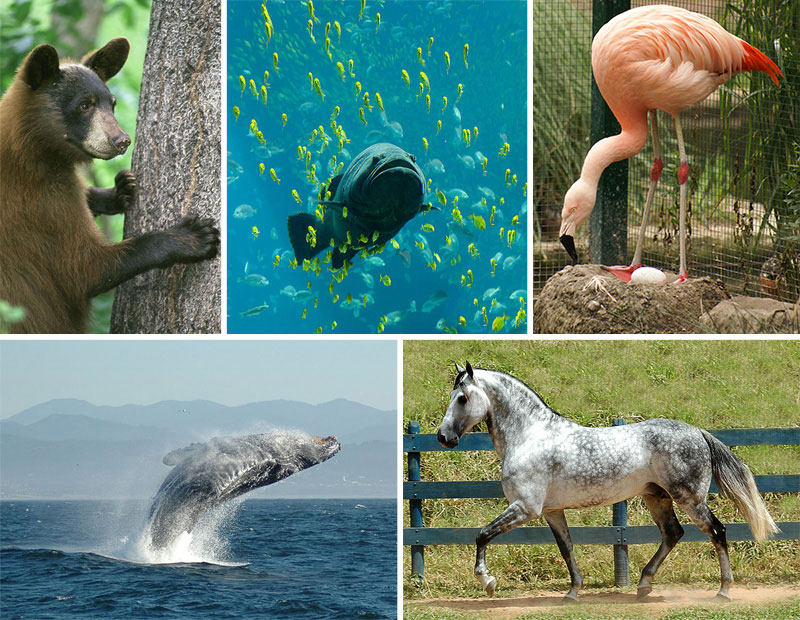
648, 275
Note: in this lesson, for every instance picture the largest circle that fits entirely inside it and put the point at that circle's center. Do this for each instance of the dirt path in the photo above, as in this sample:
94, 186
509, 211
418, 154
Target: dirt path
659, 603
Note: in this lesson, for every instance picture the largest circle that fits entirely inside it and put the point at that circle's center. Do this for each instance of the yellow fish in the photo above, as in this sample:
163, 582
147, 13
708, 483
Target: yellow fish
361, 115
318, 88
462, 321
311, 80
420, 59
465, 134
430, 43
260, 169
328, 47
504, 149
235, 113
466, 51
403, 74
310, 28
444, 104
484, 161
367, 104
275, 61
428, 228
274, 176
377, 21
424, 79
428, 102
350, 65
357, 87
338, 28
254, 231
327, 29
340, 69
266, 76
499, 323
425, 144
284, 119
460, 91
296, 196
311, 10
508, 172
361, 12
446, 63
242, 83
276, 261
379, 101
457, 218
253, 88
438, 126
441, 197
264, 95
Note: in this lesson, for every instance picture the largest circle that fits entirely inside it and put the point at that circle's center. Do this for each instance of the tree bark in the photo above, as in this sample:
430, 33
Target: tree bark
177, 162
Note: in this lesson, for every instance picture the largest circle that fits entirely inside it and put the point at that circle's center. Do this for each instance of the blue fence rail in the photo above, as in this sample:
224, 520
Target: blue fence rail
619, 534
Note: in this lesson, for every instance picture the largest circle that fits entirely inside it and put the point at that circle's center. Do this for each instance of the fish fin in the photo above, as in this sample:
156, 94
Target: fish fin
298, 224
338, 258
331, 187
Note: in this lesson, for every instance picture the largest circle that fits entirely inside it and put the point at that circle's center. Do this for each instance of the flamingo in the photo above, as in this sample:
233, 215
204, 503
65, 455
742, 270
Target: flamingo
646, 59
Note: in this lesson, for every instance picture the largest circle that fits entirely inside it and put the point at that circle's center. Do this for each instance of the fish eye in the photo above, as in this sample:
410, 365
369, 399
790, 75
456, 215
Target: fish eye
412, 158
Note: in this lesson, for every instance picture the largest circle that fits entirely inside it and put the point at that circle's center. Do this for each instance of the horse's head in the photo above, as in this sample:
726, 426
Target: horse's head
468, 407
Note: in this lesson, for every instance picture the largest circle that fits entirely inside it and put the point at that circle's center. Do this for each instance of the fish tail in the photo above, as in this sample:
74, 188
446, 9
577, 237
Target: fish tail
298, 224
756, 60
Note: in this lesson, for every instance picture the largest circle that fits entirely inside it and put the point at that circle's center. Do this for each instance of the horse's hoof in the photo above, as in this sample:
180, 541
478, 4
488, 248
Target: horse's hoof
490, 586
642, 592
571, 597
722, 597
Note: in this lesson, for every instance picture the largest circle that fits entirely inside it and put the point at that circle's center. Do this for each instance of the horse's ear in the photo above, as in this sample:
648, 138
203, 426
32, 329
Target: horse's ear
469, 370
459, 369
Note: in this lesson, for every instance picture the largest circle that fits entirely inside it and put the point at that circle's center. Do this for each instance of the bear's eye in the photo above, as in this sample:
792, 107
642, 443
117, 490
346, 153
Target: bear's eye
85, 105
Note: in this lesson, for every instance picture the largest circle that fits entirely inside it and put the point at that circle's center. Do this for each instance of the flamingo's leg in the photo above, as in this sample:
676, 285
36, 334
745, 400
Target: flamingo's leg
624, 273
683, 178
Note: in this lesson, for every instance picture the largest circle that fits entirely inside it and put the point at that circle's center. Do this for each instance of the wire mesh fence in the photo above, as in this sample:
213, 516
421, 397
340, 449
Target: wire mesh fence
742, 145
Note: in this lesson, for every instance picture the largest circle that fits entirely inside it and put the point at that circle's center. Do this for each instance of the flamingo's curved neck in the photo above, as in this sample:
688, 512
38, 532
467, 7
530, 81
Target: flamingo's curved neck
614, 148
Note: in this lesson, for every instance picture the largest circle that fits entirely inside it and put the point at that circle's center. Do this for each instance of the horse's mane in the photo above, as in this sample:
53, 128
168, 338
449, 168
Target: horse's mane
463, 373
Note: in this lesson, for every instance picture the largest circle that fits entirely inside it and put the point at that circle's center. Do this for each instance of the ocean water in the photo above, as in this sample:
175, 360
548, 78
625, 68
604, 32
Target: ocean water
256, 559
460, 267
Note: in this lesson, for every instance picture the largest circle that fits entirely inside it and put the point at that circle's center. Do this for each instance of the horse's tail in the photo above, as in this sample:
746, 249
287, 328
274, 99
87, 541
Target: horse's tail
735, 481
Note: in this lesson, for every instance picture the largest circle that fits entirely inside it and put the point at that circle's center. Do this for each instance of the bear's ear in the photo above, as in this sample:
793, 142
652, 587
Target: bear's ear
40, 65
108, 60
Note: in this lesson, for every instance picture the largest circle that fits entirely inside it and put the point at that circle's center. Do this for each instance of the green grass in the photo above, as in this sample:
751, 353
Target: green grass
711, 384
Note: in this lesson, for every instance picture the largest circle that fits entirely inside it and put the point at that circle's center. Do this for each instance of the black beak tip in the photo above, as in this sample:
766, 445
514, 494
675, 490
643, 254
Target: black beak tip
569, 245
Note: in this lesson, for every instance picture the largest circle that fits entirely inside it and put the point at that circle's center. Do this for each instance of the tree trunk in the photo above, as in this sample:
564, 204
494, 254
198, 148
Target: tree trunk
177, 162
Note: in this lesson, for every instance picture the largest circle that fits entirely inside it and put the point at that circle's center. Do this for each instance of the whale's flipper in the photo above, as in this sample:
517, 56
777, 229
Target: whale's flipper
212, 473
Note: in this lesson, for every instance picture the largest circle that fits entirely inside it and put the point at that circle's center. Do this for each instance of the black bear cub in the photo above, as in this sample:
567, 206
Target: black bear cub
53, 259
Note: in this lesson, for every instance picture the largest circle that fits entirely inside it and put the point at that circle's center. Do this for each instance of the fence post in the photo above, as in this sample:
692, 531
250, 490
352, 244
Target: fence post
619, 520
608, 236
415, 507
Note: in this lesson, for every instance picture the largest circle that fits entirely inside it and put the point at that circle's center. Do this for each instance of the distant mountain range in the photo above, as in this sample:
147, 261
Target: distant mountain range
73, 449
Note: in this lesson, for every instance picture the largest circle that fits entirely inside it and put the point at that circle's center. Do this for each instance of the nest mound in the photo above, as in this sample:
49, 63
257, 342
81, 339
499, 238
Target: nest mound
586, 299
753, 315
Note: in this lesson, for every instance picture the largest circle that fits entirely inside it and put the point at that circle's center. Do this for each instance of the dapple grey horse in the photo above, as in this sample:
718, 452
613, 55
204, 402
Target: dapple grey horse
550, 463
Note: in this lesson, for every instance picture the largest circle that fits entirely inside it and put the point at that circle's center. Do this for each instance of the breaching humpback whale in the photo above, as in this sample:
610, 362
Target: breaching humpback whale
381, 189
209, 474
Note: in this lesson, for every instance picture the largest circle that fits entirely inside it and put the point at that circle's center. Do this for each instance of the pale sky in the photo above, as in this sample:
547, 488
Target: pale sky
229, 372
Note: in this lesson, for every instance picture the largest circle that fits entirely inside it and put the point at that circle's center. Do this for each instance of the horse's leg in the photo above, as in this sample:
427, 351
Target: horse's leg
511, 517
558, 523
671, 531
704, 519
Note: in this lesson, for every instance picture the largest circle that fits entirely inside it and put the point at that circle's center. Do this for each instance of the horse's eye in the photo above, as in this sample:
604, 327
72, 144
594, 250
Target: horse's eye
462, 399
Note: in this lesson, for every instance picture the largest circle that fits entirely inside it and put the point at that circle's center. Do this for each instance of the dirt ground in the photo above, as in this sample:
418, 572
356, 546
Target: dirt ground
661, 601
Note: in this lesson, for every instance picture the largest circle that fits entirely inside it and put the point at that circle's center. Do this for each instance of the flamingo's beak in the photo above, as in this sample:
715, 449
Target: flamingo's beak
567, 236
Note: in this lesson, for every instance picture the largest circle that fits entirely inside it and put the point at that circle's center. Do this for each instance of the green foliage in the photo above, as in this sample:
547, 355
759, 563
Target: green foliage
9, 315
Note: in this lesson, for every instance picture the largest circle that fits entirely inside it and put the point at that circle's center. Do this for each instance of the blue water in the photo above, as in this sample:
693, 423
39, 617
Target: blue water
266, 559
462, 276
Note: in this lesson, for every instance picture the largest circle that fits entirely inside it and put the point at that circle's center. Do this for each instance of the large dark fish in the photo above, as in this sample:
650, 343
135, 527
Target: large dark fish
209, 474
381, 189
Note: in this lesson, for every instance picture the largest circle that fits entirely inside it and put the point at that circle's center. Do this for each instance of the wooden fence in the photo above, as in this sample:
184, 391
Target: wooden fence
619, 534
